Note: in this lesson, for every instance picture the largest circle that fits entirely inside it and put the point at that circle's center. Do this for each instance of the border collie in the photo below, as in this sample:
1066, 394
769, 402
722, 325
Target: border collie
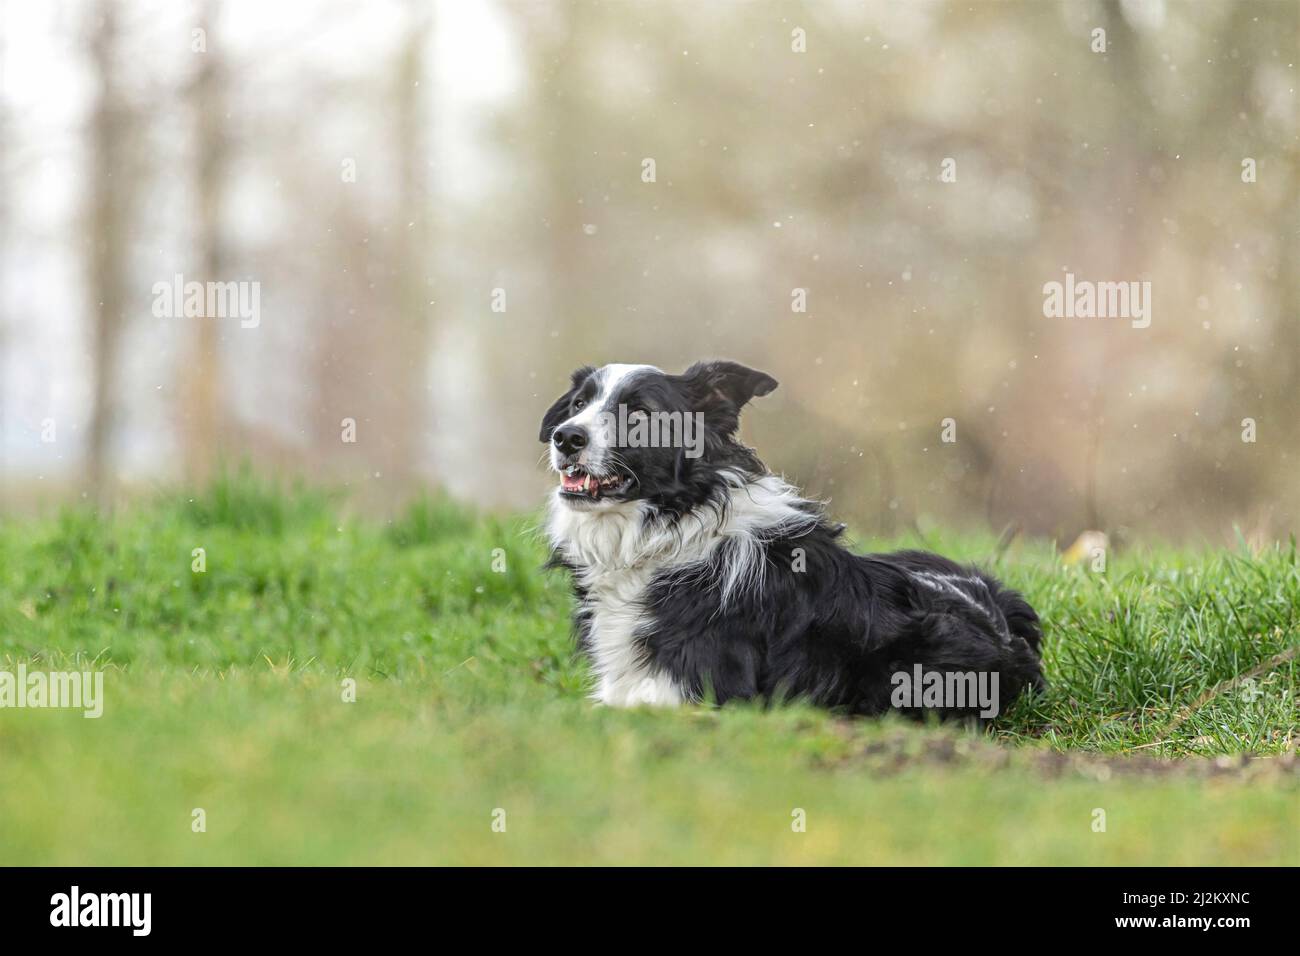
699, 575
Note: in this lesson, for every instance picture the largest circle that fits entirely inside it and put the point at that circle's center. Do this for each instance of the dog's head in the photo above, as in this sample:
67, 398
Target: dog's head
634, 433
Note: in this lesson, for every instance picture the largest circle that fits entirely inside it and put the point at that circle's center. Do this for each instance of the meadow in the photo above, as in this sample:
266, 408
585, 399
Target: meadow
330, 689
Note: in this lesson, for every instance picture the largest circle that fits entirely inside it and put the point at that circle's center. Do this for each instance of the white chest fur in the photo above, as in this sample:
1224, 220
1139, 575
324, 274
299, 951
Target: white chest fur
624, 677
616, 556
603, 547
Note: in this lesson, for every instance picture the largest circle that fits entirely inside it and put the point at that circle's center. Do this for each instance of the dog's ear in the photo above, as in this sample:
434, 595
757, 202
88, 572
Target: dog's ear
560, 410
722, 389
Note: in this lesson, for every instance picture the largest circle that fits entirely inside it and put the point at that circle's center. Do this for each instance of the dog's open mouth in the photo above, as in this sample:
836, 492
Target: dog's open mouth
577, 483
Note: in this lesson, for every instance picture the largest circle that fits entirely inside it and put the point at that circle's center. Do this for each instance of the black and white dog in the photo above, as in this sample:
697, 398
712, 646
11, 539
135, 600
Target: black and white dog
701, 575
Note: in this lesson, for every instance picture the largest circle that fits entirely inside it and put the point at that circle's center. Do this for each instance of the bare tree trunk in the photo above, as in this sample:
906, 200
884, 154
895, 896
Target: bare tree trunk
409, 400
109, 185
5, 133
201, 436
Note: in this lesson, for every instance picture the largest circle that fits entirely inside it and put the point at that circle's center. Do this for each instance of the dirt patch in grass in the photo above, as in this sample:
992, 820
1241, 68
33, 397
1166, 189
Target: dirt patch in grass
903, 750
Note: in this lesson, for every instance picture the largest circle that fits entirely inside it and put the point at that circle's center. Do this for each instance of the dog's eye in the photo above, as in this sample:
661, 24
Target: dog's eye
579, 404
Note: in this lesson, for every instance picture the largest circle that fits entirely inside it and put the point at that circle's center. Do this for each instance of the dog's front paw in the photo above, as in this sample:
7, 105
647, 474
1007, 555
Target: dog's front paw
646, 691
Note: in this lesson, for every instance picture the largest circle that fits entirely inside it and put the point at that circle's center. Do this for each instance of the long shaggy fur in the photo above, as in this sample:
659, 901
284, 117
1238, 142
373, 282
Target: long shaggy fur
709, 578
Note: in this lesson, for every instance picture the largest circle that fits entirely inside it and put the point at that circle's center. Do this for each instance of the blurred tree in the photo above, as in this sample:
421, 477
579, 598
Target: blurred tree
5, 319
201, 435
110, 191
407, 407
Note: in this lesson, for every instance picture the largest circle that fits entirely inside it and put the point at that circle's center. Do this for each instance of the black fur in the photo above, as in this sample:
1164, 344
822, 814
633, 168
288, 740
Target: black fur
833, 633
836, 633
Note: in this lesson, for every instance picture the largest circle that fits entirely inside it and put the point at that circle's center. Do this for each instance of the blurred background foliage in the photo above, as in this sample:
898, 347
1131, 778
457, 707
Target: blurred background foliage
380, 169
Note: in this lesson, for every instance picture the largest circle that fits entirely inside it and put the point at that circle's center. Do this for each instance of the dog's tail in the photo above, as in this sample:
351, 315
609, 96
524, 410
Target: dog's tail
956, 648
1022, 622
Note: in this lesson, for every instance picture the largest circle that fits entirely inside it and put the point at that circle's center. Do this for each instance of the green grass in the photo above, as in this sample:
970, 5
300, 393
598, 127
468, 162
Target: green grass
224, 692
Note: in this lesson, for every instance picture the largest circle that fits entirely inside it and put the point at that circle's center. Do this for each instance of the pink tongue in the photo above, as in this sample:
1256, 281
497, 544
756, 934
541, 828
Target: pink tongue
573, 482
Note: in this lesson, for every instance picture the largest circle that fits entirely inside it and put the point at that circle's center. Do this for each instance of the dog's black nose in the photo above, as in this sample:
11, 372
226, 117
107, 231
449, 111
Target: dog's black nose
570, 438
